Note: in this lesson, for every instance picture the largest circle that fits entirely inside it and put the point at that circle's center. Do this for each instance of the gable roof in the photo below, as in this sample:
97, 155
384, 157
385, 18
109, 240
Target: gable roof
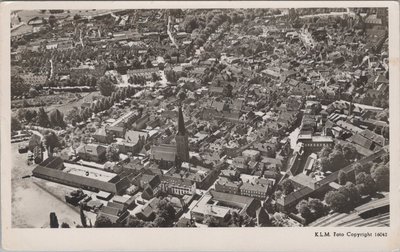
164, 152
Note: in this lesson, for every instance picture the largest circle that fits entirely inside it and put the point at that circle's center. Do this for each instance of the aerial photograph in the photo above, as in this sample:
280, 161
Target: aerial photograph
241, 117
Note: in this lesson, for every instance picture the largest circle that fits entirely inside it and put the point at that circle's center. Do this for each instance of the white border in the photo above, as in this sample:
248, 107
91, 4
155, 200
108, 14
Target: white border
182, 239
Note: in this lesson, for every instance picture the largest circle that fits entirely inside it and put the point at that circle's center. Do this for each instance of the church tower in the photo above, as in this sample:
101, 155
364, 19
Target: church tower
182, 141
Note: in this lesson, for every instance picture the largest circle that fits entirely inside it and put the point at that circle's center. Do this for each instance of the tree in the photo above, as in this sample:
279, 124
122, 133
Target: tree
149, 64
73, 116
42, 118
64, 225
165, 214
52, 20
381, 177
336, 160
154, 77
336, 201
105, 86
53, 220
15, 124
349, 151
342, 177
51, 140
227, 90
33, 92
82, 215
248, 221
30, 115
351, 192
365, 184
135, 222
211, 221
56, 118
103, 222
325, 164
326, 150
303, 208
112, 154
287, 186
317, 207
18, 86
77, 17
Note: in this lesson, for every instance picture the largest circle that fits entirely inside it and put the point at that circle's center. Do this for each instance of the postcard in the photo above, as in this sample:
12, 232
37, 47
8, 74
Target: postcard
200, 126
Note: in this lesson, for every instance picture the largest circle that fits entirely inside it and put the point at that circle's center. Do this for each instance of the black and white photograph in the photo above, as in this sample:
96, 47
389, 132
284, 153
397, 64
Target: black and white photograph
188, 117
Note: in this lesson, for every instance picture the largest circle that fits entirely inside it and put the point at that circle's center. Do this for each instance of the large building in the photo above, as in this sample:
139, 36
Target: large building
80, 176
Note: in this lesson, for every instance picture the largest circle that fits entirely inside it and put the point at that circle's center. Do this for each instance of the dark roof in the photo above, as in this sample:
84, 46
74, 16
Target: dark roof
52, 162
295, 196
360, 140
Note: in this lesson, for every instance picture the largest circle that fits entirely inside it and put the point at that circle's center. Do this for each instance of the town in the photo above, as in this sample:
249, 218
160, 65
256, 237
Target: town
200, 118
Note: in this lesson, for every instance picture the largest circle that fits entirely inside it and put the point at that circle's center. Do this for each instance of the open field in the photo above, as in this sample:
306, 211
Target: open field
33, 200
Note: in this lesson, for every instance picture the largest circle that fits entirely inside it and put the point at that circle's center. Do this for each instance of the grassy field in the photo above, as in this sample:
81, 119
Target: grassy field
68, 101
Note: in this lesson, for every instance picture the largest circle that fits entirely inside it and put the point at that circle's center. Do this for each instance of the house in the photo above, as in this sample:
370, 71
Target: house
219, 205
101, 136
230, 174
257, 189
116, 213
227, 186
116, 131
148, 211
177, 186
92, 152
133, 142
151, 185
240, 163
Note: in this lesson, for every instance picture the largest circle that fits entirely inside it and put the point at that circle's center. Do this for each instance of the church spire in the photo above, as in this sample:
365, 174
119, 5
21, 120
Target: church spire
181, 122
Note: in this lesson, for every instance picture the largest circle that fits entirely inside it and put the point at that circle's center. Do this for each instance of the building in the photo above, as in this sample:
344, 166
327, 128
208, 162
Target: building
54, 169
115, 212
314, 143
133, 142
219, 205
164, 152
116, 131
227, 186
177, 186
101, 136
182, 140
257, 189
148, 211
92, 152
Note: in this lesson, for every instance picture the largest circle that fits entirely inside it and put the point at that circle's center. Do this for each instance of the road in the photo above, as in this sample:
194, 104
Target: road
170, 34
51, 68
332, 14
